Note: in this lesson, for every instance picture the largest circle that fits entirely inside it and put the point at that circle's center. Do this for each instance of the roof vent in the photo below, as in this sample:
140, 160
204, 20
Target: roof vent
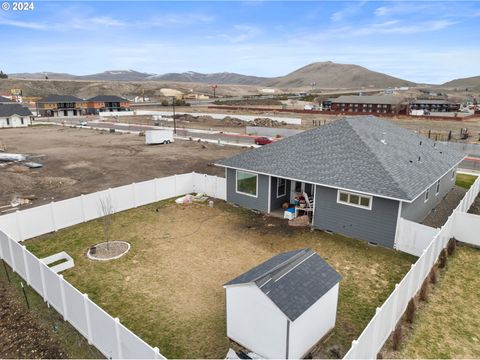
383, 141
419, 158
410, 161
420, 142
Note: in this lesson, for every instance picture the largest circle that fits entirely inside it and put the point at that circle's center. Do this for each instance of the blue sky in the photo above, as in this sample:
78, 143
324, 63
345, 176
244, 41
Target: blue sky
420, 41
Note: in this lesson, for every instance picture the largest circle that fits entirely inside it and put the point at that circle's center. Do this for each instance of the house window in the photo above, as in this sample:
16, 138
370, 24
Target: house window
438, 188
21, 120
247, 183
8, 121
281, 187
352, 199
426, 195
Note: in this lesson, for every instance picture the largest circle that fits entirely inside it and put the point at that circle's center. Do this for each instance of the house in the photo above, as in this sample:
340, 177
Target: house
60, 106
375, 104
434, 105
13, 114
281, 308
106, 103
361, 174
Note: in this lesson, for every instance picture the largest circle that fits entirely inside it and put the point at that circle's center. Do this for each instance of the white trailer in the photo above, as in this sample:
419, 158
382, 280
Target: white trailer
158, 137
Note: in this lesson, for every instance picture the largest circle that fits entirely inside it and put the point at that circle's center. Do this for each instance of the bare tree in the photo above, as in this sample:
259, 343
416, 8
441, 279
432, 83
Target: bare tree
107, 210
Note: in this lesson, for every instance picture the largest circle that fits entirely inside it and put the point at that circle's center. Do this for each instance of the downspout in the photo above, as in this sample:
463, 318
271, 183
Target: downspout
287, 340
269, 193
399, 215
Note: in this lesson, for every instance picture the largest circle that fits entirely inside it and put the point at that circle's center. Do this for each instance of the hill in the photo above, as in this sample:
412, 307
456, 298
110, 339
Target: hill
470, 83
110, 75
215, 78
331, 75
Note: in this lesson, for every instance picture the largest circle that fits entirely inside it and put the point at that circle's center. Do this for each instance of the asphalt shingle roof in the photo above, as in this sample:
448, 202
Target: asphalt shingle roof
360, 153
107, 98
5, 100
367, 99
429, 101
10, 109
60, 99
293, 280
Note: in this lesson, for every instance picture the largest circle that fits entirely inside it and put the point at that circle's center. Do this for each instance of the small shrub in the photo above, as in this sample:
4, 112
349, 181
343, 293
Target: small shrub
442, 259
434, 275
410, 312
397, 337
424, 290
452, 244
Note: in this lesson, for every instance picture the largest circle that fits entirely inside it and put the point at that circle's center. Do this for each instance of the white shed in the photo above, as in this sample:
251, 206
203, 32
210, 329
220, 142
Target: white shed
14, 115
284, 306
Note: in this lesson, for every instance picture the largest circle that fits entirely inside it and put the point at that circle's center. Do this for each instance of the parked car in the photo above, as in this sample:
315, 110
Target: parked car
263, 140
83, 123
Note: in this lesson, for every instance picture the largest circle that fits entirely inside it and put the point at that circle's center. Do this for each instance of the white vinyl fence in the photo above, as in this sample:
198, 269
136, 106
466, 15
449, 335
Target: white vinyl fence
387, 316
413, 237
106, 333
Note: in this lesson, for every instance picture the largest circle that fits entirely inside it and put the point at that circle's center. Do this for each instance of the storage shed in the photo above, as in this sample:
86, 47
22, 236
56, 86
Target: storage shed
284, 306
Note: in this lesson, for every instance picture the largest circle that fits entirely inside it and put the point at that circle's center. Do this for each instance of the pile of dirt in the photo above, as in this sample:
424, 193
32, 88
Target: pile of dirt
22, 335
266, 122
53, 181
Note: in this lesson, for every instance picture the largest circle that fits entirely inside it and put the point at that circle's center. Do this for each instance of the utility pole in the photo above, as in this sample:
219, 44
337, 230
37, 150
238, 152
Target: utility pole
174, 122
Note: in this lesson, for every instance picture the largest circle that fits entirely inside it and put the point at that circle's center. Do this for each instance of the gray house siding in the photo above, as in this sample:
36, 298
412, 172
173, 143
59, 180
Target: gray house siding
377, 225
419, 209
256, 203
276, 203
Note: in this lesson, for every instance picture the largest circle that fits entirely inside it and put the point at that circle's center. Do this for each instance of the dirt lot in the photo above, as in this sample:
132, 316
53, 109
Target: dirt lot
168, 288
80, 161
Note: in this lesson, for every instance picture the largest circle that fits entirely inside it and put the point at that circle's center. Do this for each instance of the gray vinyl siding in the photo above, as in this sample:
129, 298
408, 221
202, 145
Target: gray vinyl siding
259, 203
419, 209
276, 203
377, 225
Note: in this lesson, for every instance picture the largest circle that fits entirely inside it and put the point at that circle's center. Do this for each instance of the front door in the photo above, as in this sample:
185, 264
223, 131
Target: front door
296, 187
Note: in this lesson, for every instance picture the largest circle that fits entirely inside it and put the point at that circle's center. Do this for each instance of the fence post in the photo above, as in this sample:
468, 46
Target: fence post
411, 284
194, 187
19, 227
87, 317
44, 284
11, 254
175, 184
134, 198
156, 351
53, 216
117, 336
82, 205
64, 300
27, 271
393, 321
374, 343
155, 189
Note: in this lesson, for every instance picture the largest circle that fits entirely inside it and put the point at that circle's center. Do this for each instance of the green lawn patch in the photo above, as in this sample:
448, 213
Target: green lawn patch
168, 288
465, 180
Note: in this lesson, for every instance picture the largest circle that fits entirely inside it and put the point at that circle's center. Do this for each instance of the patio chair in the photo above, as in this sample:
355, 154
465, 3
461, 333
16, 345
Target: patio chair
308, 209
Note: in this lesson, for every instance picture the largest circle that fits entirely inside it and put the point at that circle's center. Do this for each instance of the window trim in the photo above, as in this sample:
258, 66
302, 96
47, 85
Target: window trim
236, 183
437, 189
285, 187
427, 195
369, 207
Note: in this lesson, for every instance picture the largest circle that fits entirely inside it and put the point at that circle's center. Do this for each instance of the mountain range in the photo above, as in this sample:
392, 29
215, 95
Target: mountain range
320, 75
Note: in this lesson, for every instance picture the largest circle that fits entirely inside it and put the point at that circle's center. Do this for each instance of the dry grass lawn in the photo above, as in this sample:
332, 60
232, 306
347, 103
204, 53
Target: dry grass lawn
168, 288
448, 325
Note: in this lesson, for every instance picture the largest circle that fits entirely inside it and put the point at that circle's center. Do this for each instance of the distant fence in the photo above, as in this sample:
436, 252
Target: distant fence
387, 316
106, 333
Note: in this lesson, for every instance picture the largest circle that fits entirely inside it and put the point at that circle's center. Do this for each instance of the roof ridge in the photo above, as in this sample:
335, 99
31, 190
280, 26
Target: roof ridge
379, 160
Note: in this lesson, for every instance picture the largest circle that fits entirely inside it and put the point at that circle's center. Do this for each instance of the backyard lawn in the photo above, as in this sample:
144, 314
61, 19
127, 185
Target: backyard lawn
465, 180
448, 325
168, 288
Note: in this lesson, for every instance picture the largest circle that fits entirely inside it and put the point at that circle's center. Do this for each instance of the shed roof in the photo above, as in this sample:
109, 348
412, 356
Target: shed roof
293, 280
367, 99
360, 153
9, 109
107, 98
59, 99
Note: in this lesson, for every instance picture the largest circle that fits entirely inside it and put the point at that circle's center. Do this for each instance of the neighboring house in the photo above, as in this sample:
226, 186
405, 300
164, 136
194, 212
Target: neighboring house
4, 100
281, 308
60, 106
106, 103
375, 104
362, 174
434, 105
14, 115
